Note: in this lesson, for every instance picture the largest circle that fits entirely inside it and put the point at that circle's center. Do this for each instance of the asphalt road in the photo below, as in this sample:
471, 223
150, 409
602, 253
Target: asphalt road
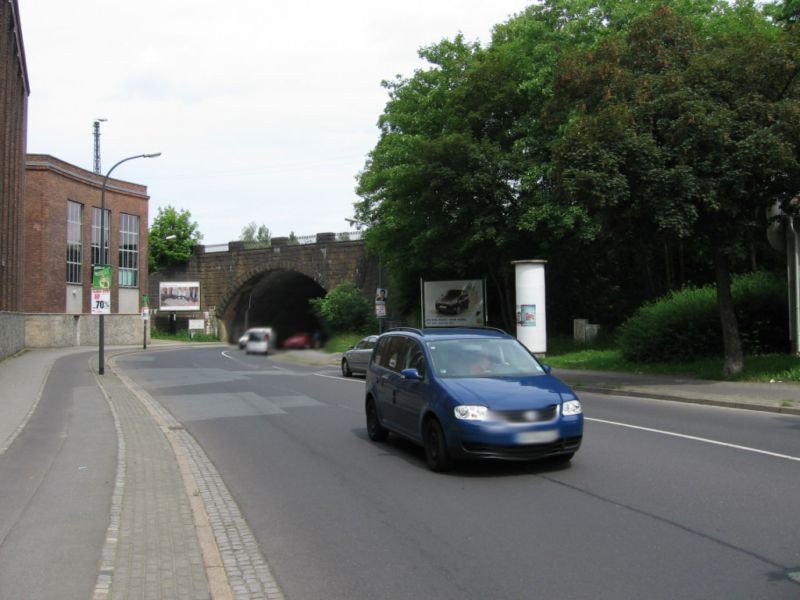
664, 500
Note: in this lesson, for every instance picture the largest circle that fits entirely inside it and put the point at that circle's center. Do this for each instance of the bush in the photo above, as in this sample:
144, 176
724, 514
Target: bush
344, 309
684, 325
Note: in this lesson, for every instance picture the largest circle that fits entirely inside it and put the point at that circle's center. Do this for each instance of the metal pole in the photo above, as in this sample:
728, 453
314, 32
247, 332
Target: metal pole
793, 264
101, 329
97, 145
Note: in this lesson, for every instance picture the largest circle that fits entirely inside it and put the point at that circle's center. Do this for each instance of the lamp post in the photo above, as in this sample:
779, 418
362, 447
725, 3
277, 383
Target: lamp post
101, 330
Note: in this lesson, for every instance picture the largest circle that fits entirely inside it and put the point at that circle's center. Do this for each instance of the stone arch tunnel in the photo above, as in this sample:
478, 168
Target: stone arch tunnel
244, 286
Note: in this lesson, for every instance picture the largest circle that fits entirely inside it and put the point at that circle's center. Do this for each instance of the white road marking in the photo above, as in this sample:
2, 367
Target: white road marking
696, 439
236, 359
339, 378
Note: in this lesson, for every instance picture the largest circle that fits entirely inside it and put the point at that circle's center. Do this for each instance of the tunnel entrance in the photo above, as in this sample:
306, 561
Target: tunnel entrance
276, 299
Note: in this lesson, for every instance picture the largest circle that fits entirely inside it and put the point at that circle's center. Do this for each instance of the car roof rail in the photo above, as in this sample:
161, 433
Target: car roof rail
493, 329
410, 329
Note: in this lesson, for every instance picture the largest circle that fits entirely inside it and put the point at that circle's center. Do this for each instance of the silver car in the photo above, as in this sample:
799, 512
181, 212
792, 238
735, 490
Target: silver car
246, 335
355, 359
257, 342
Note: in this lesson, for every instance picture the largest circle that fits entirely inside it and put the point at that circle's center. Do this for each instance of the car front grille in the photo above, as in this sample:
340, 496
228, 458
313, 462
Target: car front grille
549, 413
523, 451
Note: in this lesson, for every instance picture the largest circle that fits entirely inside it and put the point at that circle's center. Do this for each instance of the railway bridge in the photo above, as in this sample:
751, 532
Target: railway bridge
247, 284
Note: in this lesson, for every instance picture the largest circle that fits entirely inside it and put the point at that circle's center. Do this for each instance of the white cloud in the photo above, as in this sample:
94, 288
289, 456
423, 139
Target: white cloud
263, 111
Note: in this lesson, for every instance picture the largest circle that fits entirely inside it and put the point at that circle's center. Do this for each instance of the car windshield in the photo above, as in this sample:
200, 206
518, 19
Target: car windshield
482, 358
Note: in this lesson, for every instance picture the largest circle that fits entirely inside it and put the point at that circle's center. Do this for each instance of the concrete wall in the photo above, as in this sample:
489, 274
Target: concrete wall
129, 300
74, 299
59, 331
12, 333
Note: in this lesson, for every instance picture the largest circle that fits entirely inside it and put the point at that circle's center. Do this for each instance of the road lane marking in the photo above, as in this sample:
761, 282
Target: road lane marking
696, 439
340, 378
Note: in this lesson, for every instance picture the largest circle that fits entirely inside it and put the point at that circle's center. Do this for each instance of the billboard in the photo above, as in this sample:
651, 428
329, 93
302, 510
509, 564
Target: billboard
179, 295
457, 303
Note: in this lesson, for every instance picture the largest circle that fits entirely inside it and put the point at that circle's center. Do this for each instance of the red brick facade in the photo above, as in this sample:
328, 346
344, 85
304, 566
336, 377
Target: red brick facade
50, 185
14, 91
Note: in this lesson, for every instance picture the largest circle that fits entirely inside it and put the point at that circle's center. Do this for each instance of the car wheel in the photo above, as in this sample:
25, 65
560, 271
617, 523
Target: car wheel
436, 447
346, 368
376, 431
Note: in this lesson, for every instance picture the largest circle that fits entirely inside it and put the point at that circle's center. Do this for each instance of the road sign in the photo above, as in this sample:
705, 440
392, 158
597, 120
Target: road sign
101, 302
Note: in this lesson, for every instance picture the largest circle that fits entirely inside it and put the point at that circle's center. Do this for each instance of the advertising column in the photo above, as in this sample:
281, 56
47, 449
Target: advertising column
531, 314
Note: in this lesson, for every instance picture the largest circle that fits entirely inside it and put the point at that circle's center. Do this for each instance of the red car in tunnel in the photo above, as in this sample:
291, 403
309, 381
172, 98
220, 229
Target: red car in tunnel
298, 340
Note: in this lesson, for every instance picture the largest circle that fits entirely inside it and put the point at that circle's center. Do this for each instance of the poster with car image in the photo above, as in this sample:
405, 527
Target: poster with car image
456, 303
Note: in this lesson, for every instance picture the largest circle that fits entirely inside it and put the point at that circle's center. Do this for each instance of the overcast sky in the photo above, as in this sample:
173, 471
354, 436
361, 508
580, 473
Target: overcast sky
264, 111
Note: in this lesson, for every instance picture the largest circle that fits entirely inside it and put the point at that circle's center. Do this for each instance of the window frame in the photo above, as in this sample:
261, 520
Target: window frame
128, 251
96, 258
74, 263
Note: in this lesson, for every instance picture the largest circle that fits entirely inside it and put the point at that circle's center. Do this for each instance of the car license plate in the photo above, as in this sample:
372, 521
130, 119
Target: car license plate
537, 437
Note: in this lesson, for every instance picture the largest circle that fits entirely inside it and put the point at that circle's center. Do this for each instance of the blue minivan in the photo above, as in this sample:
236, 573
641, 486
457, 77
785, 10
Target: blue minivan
469, 393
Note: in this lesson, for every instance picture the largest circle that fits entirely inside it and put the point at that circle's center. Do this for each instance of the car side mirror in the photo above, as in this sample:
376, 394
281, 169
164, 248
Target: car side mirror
411, 374
547, 368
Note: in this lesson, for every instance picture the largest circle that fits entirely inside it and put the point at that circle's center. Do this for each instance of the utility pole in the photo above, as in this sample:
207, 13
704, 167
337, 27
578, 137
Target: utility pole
97, 144
783, 234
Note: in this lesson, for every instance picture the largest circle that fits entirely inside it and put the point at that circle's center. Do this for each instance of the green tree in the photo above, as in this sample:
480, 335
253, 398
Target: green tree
171, 238
460, 182
677, 132
252, 232
345, 310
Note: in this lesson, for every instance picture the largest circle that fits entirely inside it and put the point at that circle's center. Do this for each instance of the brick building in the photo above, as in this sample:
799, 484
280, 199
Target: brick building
62, 214
14, 92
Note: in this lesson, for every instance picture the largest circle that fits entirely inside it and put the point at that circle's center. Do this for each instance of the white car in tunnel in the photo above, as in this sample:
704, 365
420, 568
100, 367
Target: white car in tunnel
246, 335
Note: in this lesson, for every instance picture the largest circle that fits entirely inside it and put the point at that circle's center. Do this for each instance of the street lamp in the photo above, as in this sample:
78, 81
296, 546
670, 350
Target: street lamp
101, 331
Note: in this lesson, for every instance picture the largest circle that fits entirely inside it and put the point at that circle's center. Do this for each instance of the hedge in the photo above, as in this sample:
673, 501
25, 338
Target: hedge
684, 325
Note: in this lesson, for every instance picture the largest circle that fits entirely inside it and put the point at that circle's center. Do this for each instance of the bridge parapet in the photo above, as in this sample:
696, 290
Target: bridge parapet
318, 238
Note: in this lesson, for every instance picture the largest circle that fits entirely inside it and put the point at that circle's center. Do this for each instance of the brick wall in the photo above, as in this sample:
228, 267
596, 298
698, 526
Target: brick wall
51, 183
14, 92
223, 275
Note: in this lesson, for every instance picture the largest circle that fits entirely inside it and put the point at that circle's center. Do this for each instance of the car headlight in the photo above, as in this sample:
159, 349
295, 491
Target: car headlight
571, 407
468, 412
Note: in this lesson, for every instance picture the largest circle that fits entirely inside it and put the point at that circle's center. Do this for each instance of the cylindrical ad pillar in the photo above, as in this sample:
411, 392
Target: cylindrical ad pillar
531, 313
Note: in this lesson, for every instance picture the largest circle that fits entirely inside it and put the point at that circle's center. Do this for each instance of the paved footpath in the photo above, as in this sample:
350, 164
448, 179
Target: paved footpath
173, 530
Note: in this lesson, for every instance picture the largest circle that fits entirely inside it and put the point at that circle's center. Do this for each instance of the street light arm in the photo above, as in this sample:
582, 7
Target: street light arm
102, 253
126, 160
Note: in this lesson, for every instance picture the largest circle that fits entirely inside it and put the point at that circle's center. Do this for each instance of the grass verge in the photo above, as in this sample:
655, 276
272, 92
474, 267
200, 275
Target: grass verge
182, 336
768, 367
342, 341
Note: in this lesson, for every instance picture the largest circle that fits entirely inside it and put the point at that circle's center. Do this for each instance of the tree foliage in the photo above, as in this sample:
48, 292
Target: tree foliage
171, 238
668, 134
633, 146
252, 232
345, 310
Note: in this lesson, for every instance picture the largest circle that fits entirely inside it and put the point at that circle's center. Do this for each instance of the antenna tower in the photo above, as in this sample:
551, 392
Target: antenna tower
97, 145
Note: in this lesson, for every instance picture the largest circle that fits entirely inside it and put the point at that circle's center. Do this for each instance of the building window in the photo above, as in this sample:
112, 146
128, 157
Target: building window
74, 245
96, 258
128, 250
